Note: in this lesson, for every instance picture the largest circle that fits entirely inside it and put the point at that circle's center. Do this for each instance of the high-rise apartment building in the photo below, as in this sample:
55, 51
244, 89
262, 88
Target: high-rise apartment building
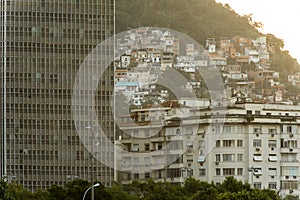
43, 43
255, 143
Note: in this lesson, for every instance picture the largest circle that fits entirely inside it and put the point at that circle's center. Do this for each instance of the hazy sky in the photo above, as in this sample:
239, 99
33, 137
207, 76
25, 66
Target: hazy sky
279, 18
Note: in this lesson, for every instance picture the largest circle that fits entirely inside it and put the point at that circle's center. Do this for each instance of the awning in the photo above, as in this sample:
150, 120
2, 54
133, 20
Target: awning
201, 159
257, 172
257, 158
272, 158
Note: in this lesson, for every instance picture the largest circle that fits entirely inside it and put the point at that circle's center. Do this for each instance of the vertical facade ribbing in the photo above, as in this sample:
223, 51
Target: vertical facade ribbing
43, 44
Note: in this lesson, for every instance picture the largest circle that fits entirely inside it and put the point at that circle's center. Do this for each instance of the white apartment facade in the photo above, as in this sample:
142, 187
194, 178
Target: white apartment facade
255, 143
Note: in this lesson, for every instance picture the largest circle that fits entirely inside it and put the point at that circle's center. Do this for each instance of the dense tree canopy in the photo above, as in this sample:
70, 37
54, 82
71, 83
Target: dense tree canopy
192, 189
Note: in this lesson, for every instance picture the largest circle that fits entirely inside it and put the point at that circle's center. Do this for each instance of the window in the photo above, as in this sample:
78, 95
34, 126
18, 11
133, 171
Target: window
240, 171
289, 185
257, 185
176, 145
288, 143
218, 143
217, 129
272, 143
218, 157
189, 158
240, 143
135, 161
240, 157
202, 172
227, 129
135, 133
228, 171
171, 173
147, 147
257, 130
159, 146
218, 171
256, 143
288, 157
228, 143
147, 175
289, 129
289, 171
272, 130
239, 129
136, 176
228, 157
135, 147
147, 161
147, 133
272, 171
272, 185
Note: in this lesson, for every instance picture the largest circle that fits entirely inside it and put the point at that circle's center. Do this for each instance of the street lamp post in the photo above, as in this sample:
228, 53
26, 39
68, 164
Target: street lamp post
92, 187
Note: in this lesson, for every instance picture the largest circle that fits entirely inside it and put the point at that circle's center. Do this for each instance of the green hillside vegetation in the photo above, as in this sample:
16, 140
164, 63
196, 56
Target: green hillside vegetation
200, 19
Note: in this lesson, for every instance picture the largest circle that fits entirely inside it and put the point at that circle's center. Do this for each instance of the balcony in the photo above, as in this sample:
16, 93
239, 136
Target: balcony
289, 150
157, 139
158, 166
176, 179
289, 160
289, 177
126, 168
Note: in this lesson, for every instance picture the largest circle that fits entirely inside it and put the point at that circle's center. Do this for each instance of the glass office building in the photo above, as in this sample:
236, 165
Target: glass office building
43, 43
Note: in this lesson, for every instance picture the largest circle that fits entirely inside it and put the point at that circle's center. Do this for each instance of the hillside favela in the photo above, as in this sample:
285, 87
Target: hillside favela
132, 99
